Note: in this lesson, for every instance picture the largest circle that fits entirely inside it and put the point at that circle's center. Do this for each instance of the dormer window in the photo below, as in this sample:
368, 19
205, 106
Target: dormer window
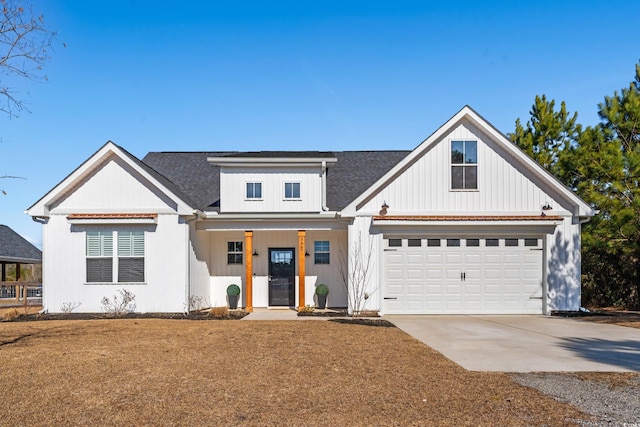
254, 190
292, 190
464, 165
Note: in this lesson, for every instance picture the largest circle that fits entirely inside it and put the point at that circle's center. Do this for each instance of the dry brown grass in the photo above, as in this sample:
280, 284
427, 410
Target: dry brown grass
181, 372
30, 309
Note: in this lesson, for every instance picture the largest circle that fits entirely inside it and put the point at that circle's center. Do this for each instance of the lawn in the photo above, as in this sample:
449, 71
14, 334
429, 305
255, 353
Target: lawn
185, 372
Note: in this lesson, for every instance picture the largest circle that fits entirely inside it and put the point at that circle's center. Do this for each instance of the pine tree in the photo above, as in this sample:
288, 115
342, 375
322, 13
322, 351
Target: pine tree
549, 135
606, 168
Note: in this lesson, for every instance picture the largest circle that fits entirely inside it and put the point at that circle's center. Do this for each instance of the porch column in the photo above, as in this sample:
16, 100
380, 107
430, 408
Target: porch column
301, 270
248, 262
17, 280
4, 272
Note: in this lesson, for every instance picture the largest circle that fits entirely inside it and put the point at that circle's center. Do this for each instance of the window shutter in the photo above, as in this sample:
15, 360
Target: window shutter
131, 243
131, 270
99, 243
99, 270
137, 238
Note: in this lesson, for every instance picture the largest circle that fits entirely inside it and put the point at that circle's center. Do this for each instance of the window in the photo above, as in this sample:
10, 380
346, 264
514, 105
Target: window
291, 190
395, 243
531, 242
453, 242
130, 256
234, 252
321, 252
464, 165
99, 256
433, 242
414, 243
101, 262
491, 242
473, 242
511, 242
254, 190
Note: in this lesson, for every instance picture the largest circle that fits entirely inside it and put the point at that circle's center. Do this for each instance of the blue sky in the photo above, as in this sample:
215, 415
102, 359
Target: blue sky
294, 75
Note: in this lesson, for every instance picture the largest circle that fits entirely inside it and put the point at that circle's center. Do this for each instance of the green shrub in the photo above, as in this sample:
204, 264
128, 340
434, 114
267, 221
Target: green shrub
322, 289
233, 289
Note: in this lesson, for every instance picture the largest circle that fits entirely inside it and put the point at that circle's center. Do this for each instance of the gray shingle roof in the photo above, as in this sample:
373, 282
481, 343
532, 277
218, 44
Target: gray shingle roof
279, 154
14, 248
350, 176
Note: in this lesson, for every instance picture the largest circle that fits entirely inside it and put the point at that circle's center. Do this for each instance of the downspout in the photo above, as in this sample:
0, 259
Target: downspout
324, 186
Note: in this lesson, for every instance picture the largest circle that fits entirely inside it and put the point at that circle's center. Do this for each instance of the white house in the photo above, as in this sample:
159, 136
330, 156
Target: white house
464, 223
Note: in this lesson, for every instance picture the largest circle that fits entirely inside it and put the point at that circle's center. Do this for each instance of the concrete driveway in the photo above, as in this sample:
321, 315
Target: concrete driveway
526, 343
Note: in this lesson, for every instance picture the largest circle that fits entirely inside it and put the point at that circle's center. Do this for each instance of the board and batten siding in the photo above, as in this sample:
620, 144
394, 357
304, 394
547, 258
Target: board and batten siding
64, 267
424, 188
115, 187
224, 274
233, 189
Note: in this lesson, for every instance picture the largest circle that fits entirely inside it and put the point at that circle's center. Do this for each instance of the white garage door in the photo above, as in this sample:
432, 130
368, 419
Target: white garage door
463, 276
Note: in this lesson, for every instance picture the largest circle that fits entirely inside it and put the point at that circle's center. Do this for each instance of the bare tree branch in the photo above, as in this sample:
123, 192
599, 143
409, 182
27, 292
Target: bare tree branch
24, 50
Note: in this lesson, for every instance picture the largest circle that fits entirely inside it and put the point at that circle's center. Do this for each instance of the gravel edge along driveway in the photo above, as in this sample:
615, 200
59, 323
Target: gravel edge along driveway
613, 399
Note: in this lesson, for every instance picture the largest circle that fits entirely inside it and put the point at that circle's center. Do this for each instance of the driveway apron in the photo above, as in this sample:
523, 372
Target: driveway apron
526, 343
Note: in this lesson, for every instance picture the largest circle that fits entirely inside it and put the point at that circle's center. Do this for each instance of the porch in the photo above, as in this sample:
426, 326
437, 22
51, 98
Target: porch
275, 265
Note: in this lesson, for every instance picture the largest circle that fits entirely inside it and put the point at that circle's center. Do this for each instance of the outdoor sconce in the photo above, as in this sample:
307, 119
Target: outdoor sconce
255, 253
306, 253
383, 210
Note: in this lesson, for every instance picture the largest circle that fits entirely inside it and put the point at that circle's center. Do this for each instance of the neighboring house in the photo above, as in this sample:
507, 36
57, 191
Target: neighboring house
14, 250
464, 223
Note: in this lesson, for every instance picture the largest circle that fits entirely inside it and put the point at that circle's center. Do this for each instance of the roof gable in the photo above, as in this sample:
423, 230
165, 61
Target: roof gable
101, 157
519, 159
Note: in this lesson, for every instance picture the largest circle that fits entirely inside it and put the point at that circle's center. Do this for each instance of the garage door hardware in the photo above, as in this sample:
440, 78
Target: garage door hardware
463, 276
390, 298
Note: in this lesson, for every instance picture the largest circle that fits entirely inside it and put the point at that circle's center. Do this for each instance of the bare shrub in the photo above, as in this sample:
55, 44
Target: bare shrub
195, 303
219, 312
68, 307
120, 304
355, 268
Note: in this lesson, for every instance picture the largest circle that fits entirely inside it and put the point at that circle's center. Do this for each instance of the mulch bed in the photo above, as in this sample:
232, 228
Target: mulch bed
232, 315
263, 373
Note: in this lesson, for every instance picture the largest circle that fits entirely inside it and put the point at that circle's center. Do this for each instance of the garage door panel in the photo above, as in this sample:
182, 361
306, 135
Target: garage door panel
415, 274
433, 274
450, 279
415, 259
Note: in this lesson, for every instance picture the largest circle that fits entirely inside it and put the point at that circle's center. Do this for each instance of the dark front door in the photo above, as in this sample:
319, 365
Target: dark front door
282, 277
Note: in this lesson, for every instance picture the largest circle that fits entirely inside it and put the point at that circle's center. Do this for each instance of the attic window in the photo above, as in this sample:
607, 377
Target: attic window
464, 165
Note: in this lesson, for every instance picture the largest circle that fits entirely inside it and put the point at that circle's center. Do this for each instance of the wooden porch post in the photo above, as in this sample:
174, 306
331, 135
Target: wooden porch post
4, 273
248, 282
301, 268
17, 280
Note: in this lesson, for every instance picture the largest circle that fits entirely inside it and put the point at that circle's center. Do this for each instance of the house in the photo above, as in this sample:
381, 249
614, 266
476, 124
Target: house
15, 250
464, 223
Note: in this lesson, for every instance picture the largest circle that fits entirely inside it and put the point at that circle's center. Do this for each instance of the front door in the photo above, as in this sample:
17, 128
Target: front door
282, 277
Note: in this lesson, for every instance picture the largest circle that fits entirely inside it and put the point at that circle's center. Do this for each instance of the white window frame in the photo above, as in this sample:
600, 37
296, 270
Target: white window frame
235, 252
246, 190
463, 165
118, 250
322, 252
292, 183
